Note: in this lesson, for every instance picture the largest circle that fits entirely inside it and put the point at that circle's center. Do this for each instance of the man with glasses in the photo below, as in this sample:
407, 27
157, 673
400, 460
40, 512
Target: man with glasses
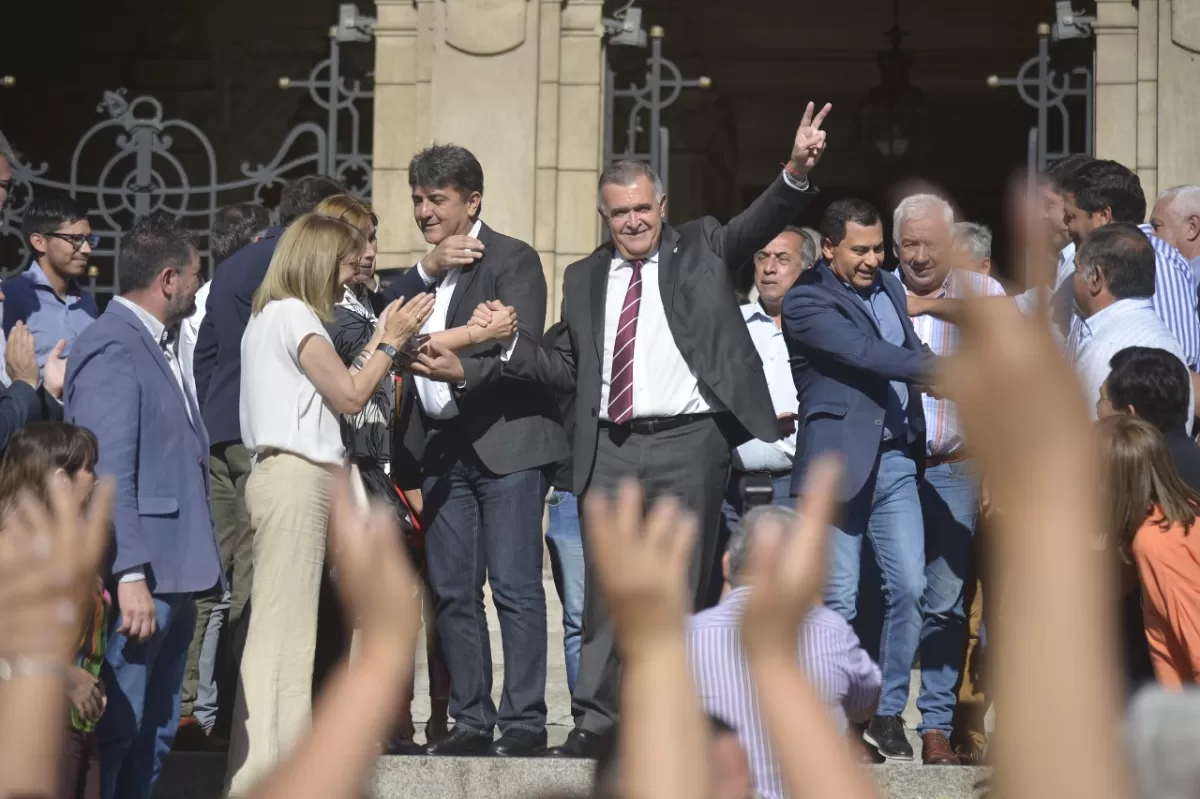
47, 296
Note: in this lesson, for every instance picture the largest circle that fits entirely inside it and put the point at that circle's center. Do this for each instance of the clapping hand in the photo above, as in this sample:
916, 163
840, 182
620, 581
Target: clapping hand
787, 567
401, 320
54, 374
49, 556
810, 141
20, 355
641, 563
495, 320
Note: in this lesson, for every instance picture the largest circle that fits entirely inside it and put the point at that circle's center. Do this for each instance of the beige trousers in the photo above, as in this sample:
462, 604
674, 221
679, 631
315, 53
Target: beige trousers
288, 500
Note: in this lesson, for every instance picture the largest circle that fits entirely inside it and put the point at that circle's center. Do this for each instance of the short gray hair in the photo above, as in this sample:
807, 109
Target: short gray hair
808, 247
916, 206
1188, 195
975, 239
743, 534
626, 173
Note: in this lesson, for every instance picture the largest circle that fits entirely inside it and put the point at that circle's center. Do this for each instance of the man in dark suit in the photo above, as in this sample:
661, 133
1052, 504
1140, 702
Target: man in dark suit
124, 383
666, 376
483, 444
859, 368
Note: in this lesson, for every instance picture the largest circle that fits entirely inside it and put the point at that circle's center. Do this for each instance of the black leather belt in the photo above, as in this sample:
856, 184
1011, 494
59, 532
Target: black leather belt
772, 475
655, 424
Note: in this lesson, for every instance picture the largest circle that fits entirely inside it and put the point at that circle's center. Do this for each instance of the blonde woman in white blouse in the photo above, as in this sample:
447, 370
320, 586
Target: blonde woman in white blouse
294, 386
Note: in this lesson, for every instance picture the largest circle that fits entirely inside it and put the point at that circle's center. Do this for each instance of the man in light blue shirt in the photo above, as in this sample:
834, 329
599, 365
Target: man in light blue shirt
47, 296
776, 267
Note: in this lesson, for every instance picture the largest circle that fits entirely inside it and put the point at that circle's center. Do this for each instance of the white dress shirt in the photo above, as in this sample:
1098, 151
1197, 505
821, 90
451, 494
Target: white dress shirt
663, 383
1125, 323
776, 456
157, 330
189, 330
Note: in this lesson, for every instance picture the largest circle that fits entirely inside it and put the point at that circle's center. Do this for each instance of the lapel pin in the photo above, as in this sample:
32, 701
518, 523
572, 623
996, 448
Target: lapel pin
676, 248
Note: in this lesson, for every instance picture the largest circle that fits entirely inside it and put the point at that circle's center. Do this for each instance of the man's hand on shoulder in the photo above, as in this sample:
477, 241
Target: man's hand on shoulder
452, 251
809, 144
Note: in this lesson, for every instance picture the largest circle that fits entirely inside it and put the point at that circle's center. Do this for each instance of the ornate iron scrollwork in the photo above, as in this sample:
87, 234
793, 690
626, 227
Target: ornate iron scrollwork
157, 163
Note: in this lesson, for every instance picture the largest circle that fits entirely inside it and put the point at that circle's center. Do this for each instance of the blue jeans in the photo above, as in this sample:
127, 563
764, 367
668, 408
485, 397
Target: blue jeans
478, 526
950, 505
143, 681
566, 561
887, 510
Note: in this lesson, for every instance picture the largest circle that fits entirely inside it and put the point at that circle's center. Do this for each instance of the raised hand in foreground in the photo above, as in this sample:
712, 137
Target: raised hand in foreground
49, 554
1024, 415
787, 572
642, 564
355, 712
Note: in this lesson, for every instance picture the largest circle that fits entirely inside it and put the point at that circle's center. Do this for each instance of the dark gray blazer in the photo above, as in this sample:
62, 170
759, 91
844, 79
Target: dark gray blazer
695, 265
511, 424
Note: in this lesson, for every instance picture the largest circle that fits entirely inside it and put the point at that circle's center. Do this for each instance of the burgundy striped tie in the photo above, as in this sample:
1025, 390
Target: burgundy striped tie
620, 385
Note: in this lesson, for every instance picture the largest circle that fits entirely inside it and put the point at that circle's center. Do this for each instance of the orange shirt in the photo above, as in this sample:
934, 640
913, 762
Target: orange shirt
1168, 564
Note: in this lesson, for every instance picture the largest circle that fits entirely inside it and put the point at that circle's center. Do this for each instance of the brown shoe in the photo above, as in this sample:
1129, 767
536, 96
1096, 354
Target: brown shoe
936, 751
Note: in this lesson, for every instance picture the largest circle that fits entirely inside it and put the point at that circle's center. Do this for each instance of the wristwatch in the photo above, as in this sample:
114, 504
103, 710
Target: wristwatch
388, 350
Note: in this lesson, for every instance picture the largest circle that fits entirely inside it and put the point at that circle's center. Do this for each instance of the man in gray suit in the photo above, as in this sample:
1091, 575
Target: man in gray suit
124, 384
667, 379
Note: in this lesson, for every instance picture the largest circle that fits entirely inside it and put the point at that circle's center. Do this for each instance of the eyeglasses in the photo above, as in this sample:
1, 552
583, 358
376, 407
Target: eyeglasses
77, 240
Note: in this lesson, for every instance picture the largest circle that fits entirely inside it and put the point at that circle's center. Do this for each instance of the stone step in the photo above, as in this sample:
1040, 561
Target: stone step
199, 776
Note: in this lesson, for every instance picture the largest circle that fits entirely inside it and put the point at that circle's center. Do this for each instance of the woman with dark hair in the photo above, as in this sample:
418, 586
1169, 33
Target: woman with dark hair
39, 455
1154, 524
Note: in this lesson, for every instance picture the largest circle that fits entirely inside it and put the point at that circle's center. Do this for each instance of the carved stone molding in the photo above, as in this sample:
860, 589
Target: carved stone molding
1185, 24
485, 27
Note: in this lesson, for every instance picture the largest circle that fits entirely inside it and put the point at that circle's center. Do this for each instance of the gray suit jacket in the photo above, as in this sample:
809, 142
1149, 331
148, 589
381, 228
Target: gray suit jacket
695, 265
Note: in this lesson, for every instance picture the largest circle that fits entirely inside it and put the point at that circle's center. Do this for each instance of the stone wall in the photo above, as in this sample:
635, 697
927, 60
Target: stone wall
518, 82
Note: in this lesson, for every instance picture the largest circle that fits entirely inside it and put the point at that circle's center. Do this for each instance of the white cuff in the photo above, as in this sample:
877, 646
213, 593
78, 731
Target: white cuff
134, 575
508, 351
791, 180
429, 281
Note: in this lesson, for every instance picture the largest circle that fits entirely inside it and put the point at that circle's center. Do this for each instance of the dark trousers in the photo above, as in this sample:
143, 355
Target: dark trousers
228, 468
80, 775
478, 526
690, 462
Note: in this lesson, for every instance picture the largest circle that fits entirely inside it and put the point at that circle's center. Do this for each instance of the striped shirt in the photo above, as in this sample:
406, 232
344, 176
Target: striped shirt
1174, 300
841, 673
942, 433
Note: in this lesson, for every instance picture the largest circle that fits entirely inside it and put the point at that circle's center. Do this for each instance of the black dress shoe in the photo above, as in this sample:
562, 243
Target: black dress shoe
581, 744
886, 734
519, 743
461, 742
404, 747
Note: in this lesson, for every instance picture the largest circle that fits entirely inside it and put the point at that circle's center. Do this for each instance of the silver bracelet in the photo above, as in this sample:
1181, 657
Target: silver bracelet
30, 667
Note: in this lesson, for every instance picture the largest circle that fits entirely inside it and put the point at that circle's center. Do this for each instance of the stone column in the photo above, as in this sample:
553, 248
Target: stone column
1116, 75
396, 128
518, 82
1178, 116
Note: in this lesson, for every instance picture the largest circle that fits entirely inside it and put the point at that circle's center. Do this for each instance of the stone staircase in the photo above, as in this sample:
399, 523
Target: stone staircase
199, 776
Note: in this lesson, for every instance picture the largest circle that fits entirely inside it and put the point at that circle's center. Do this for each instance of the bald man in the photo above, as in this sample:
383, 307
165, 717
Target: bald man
1176, 220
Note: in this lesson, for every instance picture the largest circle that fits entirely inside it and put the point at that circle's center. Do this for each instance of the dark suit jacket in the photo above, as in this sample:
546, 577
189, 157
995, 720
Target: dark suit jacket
694, 265
1185, 454
21, 404
217, 361
842, 367
511, 425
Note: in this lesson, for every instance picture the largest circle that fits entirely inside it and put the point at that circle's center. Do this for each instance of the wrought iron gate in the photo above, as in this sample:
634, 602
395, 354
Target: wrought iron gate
1047, 91
663, 83
144, 171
